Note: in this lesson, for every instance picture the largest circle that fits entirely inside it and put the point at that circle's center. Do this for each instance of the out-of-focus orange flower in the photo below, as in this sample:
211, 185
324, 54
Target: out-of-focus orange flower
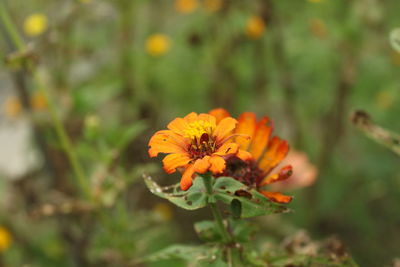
315, 1
38, 101
305, 175
12, 107
266, 154
212, 5
35, 24
186, 6
158, 44
318, 28
255, 27
5, 239
197, 143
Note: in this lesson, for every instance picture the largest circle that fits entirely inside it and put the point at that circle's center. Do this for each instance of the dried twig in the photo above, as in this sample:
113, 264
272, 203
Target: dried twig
362, 121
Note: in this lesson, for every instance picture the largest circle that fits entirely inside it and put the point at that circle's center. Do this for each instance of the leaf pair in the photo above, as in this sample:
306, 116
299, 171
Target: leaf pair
244, 202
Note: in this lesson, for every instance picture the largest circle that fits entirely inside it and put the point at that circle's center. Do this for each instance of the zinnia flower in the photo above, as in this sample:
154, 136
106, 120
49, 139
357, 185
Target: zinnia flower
266, 154
197, 143
35, 24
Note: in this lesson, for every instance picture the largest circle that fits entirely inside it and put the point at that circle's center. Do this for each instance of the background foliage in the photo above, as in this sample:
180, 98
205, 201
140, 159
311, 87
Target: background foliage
307, 65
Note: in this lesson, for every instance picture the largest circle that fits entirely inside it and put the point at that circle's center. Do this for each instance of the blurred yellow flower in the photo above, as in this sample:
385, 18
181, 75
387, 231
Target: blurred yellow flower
318, 28
12, 107
186, 6
384, 99
35, 24
5, 239
164, 211
38, 101
255, 27
315, 1
212, 5
158, 44
92, 121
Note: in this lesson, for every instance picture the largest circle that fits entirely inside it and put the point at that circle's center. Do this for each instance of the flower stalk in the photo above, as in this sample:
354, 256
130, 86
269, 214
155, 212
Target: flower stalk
64, 139
214, 209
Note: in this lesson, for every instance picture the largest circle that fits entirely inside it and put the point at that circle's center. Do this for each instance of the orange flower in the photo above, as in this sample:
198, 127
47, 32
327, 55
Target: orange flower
255, 27
212, 5
13, 107
318, 28
197, 143
266, 154
186, 6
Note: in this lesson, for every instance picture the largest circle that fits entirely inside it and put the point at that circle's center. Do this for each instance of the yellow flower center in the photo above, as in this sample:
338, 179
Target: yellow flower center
196, 129
200, 133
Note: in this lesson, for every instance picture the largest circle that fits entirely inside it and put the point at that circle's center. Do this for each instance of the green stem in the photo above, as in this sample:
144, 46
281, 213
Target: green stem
214, 209
10, 28
59, 127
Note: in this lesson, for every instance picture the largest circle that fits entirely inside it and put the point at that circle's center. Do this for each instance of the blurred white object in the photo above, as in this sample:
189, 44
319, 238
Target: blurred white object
17, 154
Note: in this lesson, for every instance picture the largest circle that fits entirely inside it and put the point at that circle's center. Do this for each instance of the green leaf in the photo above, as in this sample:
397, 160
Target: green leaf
192, 199
253, 203
207, 231
395, 39
243, 230
205, 255
236, 208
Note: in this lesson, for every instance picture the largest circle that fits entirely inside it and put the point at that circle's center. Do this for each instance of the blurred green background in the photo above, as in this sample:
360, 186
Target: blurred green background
118, 70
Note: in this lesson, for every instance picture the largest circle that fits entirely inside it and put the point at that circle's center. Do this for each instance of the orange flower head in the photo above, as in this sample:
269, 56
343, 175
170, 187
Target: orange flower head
213, 5
197, 143
186, 6
318, 28
255, 27
262, 154
13, 107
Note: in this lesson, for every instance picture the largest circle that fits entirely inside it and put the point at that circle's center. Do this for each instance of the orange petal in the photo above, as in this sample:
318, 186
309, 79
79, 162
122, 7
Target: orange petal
187, 181
244, 155
202, 165
277, 197
178, 126
219, 114
217, 164
227, 149
246, 126
276, 152
166, 142
173, 161
191, 117
283, 174
261, 138
224, 128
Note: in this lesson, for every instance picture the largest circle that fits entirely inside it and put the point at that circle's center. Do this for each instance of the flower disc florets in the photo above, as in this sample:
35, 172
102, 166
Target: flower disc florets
201, 135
